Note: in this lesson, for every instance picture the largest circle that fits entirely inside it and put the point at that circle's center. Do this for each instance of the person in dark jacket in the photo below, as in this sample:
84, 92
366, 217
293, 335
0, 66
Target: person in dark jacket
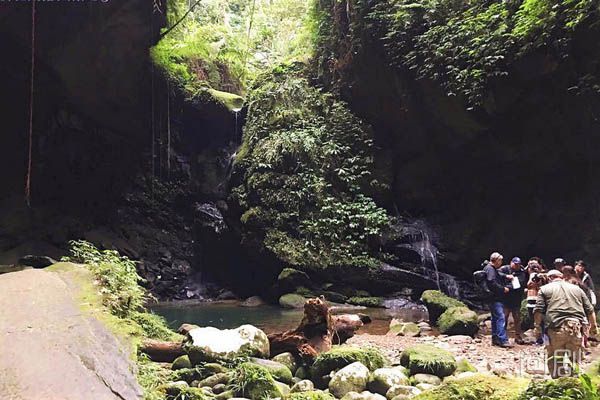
516, 278
586, 279
498, 289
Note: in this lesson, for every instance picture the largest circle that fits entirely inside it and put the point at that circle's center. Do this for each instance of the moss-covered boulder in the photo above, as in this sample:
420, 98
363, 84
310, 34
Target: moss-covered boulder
458, 321
254, 382
181, 362
561, 388
424, 358
214, 380
288, 360
366, 301
341, 356
212, 344
312, 395
278, 370
437, 303
477, 387
292, 300
193, 393
383, 379
289, 279
303, 386
351, 378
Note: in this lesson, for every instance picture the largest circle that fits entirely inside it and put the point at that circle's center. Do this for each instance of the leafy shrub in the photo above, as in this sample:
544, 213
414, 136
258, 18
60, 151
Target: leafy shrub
303, 170
116, 276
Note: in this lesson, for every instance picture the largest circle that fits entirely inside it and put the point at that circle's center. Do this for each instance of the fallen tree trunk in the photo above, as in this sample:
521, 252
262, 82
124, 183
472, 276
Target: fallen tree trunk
317, 331
160, 351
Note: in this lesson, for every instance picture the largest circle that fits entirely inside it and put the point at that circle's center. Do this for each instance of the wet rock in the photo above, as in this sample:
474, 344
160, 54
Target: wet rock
219, 388
227, 295
352, 378
437, 303
302, 373
303, 386
253, 301
283, 388
292, 300
383, 379
212, 344
424, 386
409, 329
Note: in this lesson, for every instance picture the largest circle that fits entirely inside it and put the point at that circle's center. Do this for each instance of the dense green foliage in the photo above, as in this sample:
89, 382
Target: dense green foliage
305, 166
224, 43
561, 389
462, 45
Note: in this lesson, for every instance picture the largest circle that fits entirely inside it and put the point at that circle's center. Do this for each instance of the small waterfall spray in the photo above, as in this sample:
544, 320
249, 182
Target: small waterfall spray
236, 111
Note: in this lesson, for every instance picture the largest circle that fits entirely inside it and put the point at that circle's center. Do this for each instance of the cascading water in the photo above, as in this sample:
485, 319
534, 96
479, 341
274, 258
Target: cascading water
422, 242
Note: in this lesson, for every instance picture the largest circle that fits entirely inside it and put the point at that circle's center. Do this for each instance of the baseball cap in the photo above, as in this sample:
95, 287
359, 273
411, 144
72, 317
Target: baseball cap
516, 260
554, 272
559, 261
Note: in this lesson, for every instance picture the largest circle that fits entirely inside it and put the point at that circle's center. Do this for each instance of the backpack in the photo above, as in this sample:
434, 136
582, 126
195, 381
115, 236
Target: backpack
480, 278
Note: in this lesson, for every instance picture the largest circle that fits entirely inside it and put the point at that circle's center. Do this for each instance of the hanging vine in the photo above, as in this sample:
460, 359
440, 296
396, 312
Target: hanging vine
31, 103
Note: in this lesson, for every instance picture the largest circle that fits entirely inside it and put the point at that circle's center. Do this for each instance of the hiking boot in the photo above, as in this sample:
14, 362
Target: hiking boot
519, 341
506, 345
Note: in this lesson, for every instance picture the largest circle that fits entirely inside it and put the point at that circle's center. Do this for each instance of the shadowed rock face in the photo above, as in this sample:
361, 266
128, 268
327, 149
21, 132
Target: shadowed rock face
50, 349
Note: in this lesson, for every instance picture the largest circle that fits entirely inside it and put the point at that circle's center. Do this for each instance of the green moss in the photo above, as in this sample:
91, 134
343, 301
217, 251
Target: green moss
231, 101
557, 389
153, 326
437, 303
152, 377
181, 362
254, 382
463, 365
458, 321
476, 387
366, 301
193, 393
279, 371
305, 164
341, 356
427, 359
292, 300
312, 395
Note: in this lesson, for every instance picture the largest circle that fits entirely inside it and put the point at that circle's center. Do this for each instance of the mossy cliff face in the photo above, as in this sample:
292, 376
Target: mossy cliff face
484, 113
303, 176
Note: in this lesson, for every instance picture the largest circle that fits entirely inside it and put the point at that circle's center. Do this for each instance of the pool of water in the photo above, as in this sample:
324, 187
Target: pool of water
268, 317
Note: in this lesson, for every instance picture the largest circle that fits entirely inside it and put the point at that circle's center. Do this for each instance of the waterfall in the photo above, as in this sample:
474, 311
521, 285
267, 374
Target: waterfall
236, 111
422, 239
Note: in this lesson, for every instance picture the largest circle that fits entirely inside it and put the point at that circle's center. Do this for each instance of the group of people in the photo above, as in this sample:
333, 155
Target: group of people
560, 302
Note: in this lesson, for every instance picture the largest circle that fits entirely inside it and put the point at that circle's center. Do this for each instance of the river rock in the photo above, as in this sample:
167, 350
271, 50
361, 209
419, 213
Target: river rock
303, 386
181, 362
409, 329
278, 370
426, 378
383, 379
352, 378
254, 301
424, 358
458, 321
174, 388
437, 303
363, 396
283, 388
212, 344
424, 386
288, 360
219, 388
292, 300
214, 380
402, 390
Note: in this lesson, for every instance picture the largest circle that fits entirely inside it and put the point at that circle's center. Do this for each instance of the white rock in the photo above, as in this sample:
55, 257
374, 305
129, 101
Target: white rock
212, 344
402, 390
351, 378
383, 379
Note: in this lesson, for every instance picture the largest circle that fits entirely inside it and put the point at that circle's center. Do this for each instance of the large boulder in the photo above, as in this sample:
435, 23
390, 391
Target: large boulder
424, 358
288, 360
292, 300
341, 356
212, 344
383, 379
437, 303
351, 378
278, 370
458, 321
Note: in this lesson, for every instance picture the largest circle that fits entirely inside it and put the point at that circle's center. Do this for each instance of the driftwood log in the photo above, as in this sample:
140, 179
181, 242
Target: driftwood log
160, 351
317, 331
